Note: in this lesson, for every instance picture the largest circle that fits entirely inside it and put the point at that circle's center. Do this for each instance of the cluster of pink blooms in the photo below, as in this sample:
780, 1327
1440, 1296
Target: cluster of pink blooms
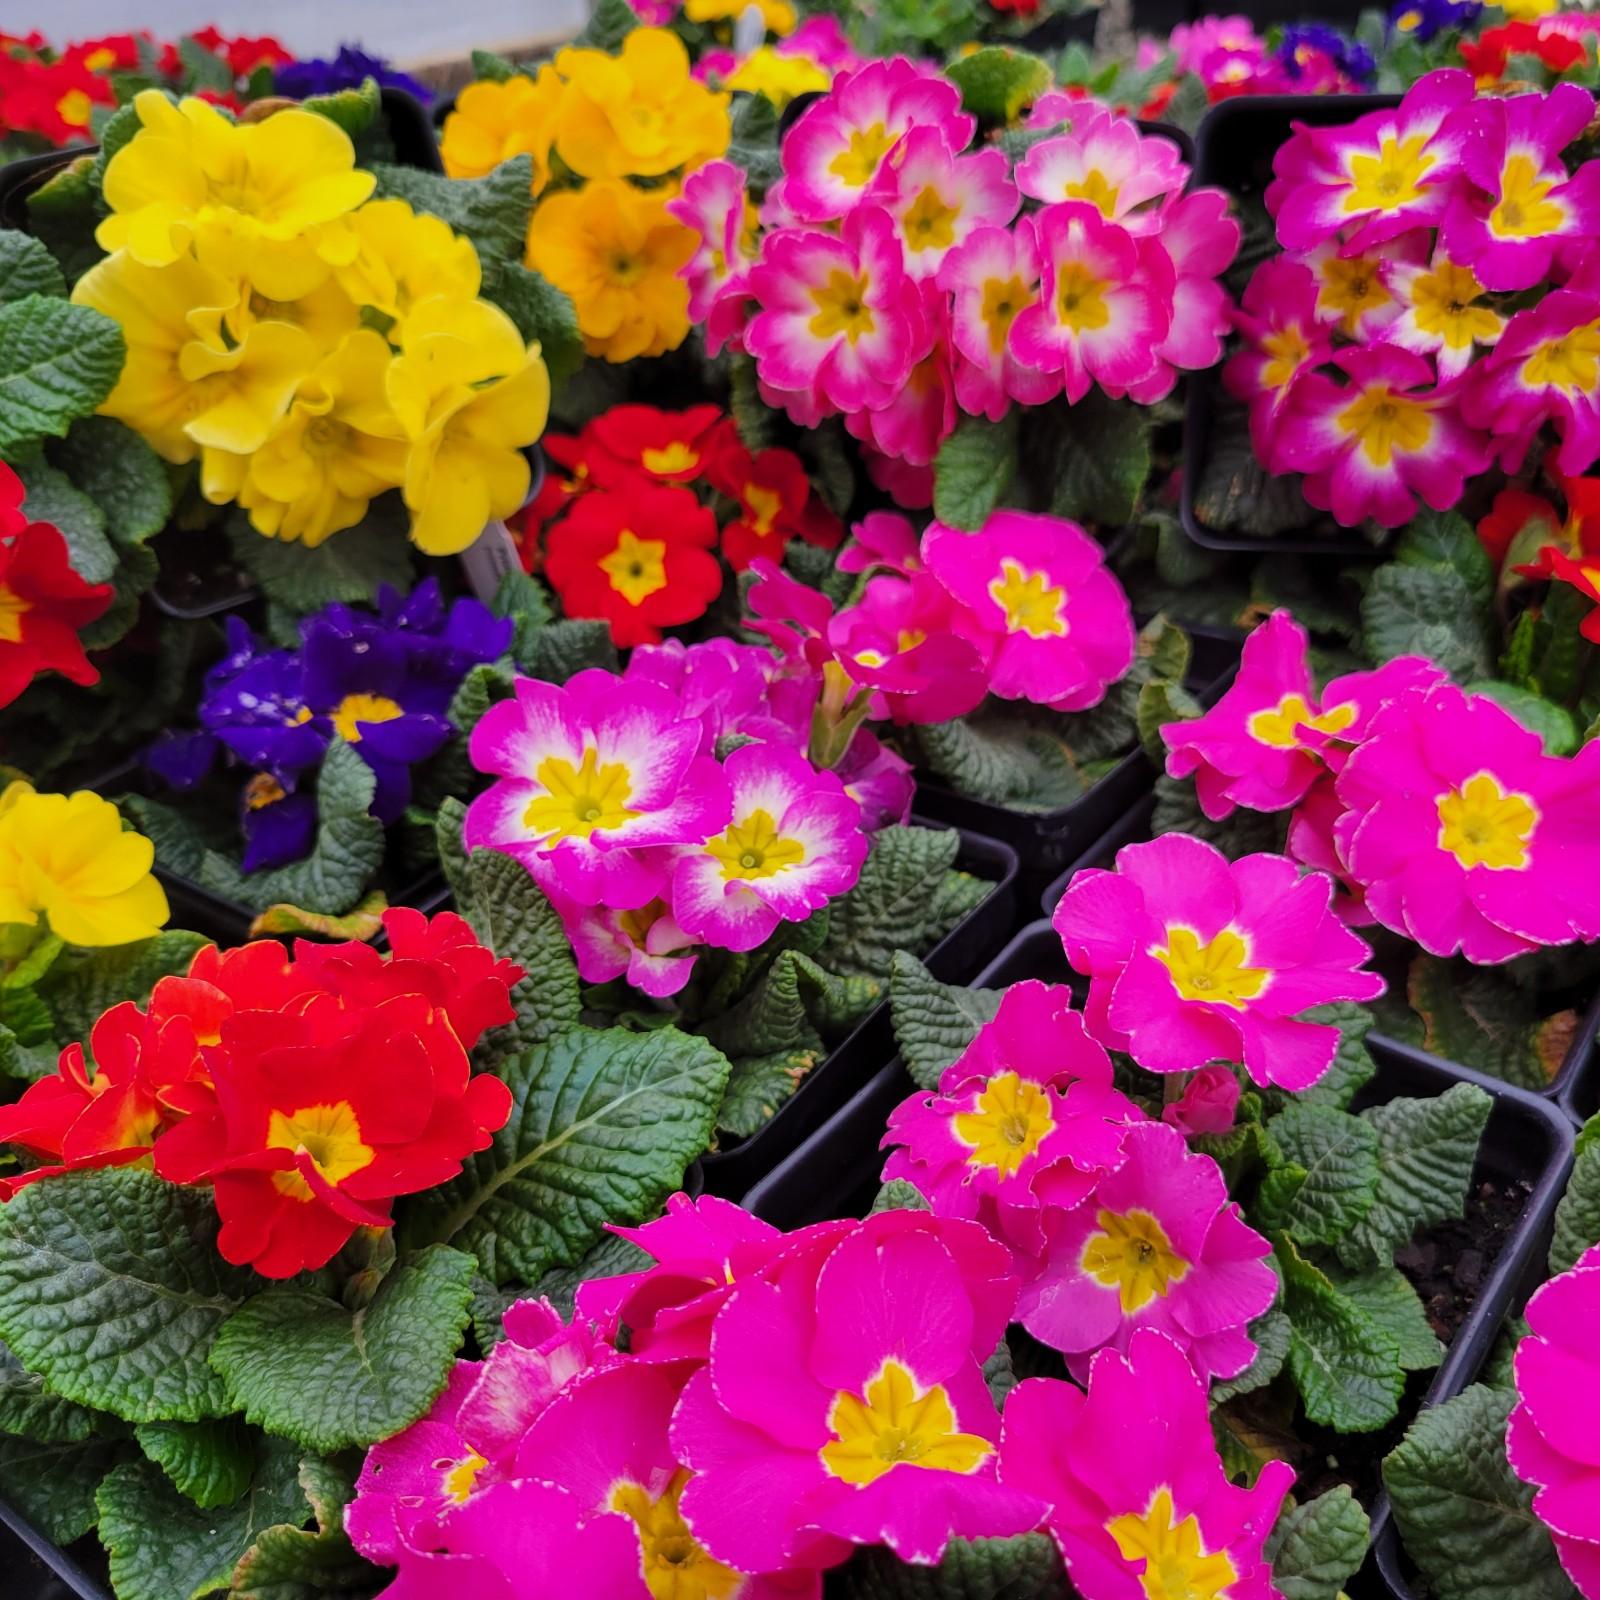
1385, 357
651, 847
819, 41
1024, 609
1434, 810
1553, 1441
894, 282
784, 1399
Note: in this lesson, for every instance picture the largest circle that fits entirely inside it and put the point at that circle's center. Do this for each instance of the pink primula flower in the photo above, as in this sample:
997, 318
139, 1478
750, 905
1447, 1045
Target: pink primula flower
1039, 588
1354, 293
1465, 835
882, 539
1439, 312
1159, 1245
937, 197
720, 682
1107, 162
1193, 958
1283, 337
788, 1430
644, 945
1553, 1440
793, 843
1379, 175
586, 777
1208, 1104
1134, 1483
910, 487
1200, 239
1371, 447
922, 414
714, 203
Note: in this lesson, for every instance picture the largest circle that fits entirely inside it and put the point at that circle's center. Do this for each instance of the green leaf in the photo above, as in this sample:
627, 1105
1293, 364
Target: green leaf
121, 474
1387, 1296
1552, 723
54, 498
888, 909
753, 144
603, 1124
1332, 1176
491, 211
1005, 753
58, 361
773, 1018
758, 1085
203, 68
1236, 493
1426, 1151
111, 1288
1578, 1215
1444, 541
1161, 703
974, 469
493, 68
361, 922
1465, 1517
1481, 1018
85, 984
1102, 473
349, 567
934, 1022
290, 1563
164, 1547
1353, 1066
526, 601
1271, 1334
354, 110
1025, 1568
307, 1368
1245, 832
609, 24
899, 1195
1316, 1548
53, 1485
27, 267
64, 211
1427, 611
567, 647
996, 82
542, 313
210, 1463
28, 1408
1344, 1362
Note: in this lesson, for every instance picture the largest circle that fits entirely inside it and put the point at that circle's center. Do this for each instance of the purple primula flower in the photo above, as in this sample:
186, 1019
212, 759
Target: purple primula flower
279, 826
183, 761
347, 70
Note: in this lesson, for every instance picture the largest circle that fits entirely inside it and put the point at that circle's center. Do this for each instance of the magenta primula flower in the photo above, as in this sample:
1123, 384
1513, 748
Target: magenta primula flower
922, 414
1208, 1104
793, 843
1527, 203
836, 148
1108, 163
1025, 1118
1353, 288
1439, 312
1159, 1245
715, 203
1379, 175
1372, 446
882, 539
849, 1401
1193, 958
1140, 1502
1465, 835
838, 313
1038, 587
1282, 337
1553, 1440
645, 945
937, 197
587, 776
722, 683
1200, 238
1104, 307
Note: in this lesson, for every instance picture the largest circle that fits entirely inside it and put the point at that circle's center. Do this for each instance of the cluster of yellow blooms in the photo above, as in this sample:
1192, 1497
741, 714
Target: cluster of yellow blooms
68, 859
311, 346
611, 138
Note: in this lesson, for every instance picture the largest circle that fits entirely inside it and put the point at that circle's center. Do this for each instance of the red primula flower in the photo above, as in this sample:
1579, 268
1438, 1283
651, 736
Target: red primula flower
1017, 8
54, 100
1486, 56
1513, 511
111, 53
1573, 553
43, 602
245, 56
776, 503
668, 446
636, 557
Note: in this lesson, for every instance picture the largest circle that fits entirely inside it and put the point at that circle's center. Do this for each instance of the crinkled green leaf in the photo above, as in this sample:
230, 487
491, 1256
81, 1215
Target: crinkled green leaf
1161, 704
1105, 461
111, 1287
490, 66
121, 474
609, 24
1578, 1215
1271, 1334
1480, 1017
753, 139
354, 110
1444, 541
997, 82
542, 313
349, 567
1427, 611
309, 1369
1332, 1176
611, 1256
28, 1408
1236, 493
1345, 1363
899, 1195
1024, 1568
27, 268
1244, 833
53, 1485
974, 469
1353, 1066
888, 909
1007, 754
1387, 1296
758, 1085
1315, 1548
603, 1124
178, 848
1551, 722
210, 1462
292, 1563
58, 361
491, 211
85, 984
934, 1022
567, 647
54, 498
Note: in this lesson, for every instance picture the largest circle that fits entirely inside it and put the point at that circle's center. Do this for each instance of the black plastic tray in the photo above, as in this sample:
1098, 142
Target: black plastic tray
1577, 1085
1234, 149
31, 1568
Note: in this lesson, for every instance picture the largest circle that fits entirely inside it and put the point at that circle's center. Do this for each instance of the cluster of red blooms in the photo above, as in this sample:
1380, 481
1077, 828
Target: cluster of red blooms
622, 535
52, 94
1526, 532
43, 602
1487, 55
309, 1089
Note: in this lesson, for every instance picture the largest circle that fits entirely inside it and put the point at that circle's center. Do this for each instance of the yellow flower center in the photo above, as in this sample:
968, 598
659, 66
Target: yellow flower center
842, 307
329, 1134
355, 709
1011, 1120
1408, 21
1279, 726
1176, 1564
1215, 971
1350, 289
462, 1476
580, 800
671, 458
754, 848
764, 505
1030, 603
896, 1425
929, 223
1289, 350
1390, 180
13, 608
99, 60
1571, 362
1524, 211
1483, 825
676, 1565
74, 107
1080, 298
637, 568
1383, 422
1443, 299
1002, 300
636, 925
326, 436
1097, 189
1132, 1254
262, 791
858, 164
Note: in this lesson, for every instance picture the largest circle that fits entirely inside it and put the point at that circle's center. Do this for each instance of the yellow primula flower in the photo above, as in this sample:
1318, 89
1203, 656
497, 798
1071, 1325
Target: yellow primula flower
68, 859
779, 16
190, 169
779, 78
1528, 10
337, 447
240, 393
402, 258
470, 396
616, 252
640, 114
494, 121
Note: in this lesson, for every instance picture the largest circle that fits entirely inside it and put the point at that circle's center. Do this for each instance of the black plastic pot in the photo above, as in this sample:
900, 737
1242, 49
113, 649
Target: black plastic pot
853, 1061
1045, 841
31, 1568
1577, 1085
1234, 149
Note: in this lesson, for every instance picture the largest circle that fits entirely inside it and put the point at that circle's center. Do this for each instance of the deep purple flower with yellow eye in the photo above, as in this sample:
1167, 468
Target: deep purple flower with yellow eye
279, 826
347, 70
